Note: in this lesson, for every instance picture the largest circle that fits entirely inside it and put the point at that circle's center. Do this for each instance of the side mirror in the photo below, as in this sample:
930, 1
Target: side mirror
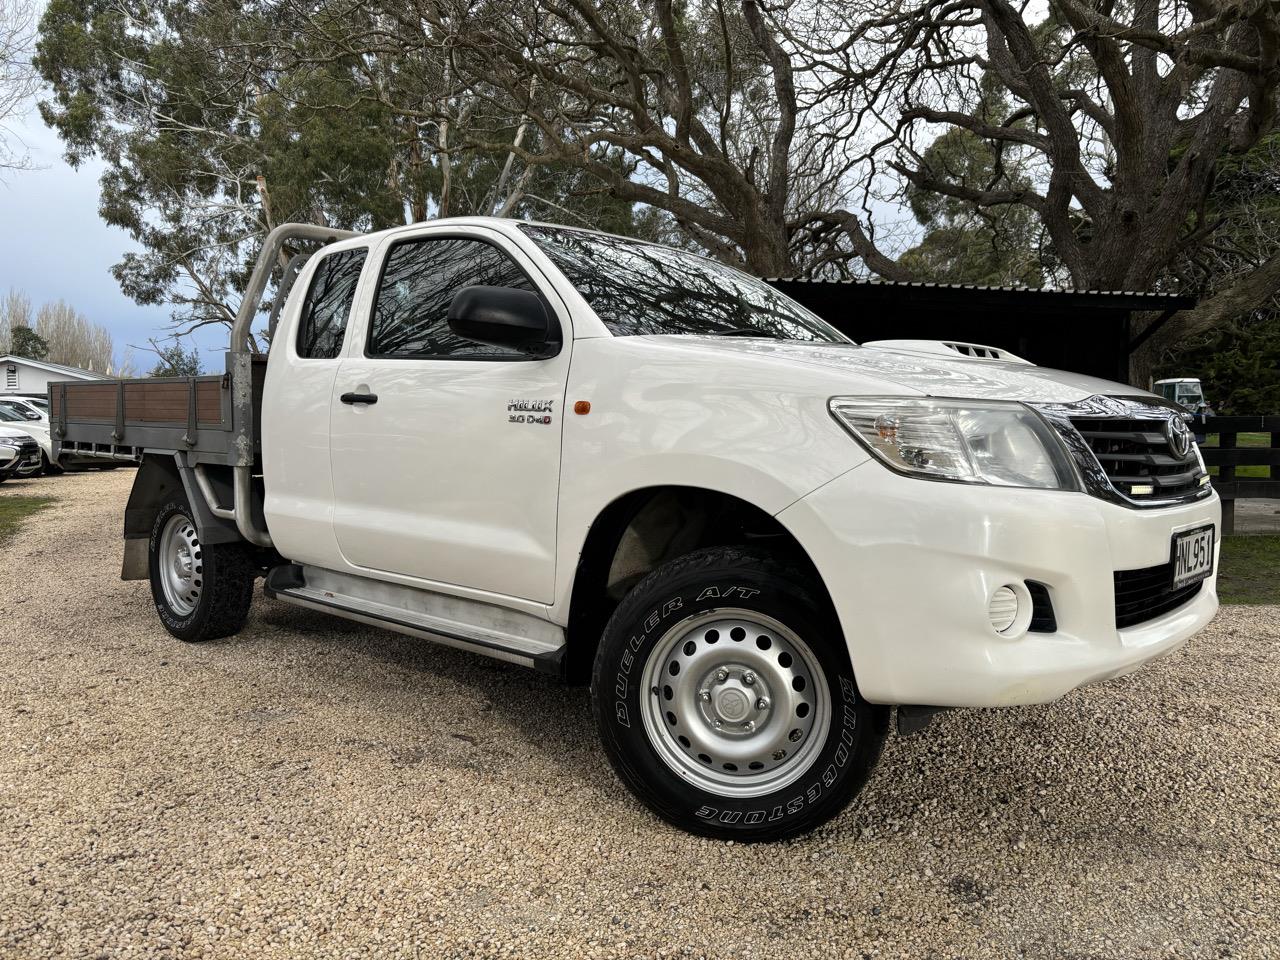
504, 317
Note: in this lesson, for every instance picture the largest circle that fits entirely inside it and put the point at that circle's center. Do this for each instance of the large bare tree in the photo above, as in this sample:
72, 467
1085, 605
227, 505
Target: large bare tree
1115, 117
763, 132
695, 109
18, 80
15, 311
73, 339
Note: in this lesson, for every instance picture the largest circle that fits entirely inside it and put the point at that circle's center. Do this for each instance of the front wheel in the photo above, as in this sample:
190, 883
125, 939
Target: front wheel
201, 591
726, 701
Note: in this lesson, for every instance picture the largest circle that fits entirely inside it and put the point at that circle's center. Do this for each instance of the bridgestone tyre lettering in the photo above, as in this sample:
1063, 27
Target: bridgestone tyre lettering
691, 589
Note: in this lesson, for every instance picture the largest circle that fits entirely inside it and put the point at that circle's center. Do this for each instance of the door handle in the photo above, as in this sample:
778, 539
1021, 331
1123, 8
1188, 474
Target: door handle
354, 398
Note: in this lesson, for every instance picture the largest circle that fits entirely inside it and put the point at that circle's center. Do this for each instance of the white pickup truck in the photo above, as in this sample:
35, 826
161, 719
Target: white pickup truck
609, 459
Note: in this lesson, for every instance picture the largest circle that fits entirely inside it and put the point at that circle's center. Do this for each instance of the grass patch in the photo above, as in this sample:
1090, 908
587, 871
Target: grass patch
1250, 570
13, 510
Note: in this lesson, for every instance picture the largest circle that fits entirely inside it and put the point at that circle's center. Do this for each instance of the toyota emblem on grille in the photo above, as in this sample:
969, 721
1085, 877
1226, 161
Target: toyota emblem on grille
1179, 437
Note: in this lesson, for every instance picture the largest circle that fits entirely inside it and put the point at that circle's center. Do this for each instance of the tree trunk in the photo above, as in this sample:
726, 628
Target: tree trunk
766, 249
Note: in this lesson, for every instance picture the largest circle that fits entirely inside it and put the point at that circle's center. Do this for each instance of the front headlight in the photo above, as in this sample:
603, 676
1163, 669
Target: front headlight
967, 441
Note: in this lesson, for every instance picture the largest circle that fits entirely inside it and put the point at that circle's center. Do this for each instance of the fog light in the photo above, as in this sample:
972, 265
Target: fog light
1003, 609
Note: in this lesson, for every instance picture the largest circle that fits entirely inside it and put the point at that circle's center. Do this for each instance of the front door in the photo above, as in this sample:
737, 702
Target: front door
302, 369
452, 474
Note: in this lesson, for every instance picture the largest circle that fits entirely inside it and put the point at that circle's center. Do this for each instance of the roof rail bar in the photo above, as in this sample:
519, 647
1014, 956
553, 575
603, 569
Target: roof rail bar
241, 359
271, 247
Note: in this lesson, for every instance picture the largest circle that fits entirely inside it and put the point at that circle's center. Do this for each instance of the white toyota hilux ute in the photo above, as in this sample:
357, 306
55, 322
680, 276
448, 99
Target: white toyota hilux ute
612, 460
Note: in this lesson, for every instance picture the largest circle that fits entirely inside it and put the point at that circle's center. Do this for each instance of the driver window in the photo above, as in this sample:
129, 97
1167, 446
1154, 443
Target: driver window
410, 314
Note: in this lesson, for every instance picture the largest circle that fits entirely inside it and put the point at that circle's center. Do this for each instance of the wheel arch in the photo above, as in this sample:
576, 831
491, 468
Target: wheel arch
161, 476
643, 529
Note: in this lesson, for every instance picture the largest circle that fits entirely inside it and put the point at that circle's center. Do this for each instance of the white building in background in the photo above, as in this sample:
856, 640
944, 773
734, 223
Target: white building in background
24, 375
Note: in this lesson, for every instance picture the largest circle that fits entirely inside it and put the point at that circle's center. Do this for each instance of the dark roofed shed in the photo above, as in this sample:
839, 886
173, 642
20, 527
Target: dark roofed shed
1087, 331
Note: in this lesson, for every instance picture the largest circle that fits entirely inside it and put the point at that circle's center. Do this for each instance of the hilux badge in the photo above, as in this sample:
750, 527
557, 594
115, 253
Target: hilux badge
530, 411
1179, 437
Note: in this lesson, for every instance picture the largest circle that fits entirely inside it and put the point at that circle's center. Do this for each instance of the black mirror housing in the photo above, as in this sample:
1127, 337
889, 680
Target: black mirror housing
505, 317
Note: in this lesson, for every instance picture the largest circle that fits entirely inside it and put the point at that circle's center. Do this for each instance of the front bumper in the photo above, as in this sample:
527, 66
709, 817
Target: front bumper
22, 463
911, 564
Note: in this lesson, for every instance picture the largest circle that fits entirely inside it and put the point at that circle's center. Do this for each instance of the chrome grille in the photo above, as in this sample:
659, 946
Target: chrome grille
1137, 458
1125, 450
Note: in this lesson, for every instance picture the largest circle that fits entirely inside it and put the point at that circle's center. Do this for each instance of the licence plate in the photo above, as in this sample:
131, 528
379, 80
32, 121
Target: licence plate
1192, 556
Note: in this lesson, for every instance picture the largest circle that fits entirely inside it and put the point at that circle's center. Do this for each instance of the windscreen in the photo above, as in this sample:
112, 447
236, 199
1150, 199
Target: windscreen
640, 289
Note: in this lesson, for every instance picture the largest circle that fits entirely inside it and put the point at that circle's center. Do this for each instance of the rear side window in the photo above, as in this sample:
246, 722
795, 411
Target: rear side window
328, 304
410, 315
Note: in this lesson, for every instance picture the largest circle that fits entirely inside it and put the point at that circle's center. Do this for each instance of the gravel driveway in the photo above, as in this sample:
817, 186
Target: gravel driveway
316, 788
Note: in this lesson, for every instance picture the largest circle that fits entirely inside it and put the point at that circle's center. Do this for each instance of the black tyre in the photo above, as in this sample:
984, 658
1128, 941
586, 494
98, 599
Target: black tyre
47, 467
726, 701
201, 591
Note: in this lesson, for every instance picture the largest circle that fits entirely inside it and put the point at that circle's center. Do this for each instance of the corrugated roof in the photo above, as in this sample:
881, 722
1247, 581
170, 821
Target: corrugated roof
1014, 288
972, 292
54, 367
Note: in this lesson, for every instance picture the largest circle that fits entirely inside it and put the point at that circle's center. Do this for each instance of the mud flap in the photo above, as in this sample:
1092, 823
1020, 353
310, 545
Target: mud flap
134, 566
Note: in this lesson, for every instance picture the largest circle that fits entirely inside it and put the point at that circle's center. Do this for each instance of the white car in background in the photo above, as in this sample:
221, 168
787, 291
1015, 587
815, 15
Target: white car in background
20, 453
28, 407
15, 421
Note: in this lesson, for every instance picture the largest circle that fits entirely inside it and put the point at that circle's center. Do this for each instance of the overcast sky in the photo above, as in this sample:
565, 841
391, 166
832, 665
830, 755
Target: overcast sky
54, 245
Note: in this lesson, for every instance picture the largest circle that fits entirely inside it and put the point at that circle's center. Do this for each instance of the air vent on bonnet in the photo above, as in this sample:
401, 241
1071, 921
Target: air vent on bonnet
971, 351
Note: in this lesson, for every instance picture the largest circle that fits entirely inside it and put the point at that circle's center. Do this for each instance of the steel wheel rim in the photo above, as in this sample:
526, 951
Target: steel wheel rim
181, 565
746, 710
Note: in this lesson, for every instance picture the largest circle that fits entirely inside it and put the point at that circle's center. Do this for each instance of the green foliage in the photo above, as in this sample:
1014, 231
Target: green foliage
153, 90
25, 342
1239, 362
1239, 365
176, 362
1244, 204
217, 121
964, 243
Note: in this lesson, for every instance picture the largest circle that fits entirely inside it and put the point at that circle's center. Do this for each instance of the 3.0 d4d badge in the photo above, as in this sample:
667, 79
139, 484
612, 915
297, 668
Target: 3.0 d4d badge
530, 411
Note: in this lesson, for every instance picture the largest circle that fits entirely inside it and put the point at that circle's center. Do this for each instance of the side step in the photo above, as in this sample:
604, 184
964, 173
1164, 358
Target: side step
472, 625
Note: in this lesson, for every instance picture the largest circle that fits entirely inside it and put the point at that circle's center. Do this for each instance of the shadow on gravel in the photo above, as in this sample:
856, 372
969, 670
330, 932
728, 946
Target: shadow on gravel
549, 718
1014, 772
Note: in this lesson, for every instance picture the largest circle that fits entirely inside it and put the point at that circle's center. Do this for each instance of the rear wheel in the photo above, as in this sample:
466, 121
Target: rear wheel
726, 700
201, 591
